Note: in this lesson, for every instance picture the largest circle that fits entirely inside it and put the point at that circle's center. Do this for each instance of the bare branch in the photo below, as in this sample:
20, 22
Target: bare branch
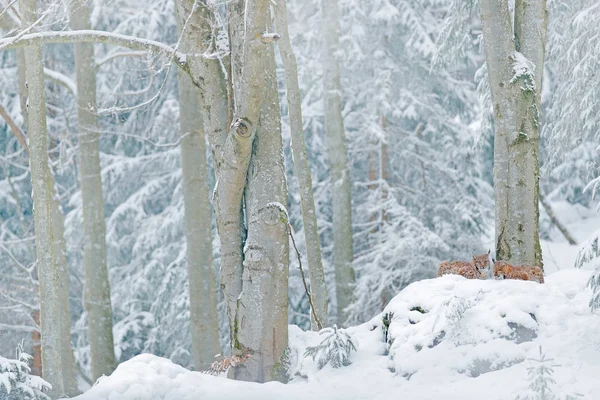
21, 138
120, 54
61, 79
115, 39
18, 328
310, 300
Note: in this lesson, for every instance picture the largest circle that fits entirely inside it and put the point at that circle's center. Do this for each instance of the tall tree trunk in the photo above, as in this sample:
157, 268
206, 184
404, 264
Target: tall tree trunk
36, 362
48, 271
309, 215
198, 227
60, 246
336, 150
235, 153
258, 310
263, 307
516, 100
97, 288
69, 367
230, 149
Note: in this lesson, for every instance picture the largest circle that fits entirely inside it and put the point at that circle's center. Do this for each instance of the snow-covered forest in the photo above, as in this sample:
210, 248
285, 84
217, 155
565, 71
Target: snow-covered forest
207, 199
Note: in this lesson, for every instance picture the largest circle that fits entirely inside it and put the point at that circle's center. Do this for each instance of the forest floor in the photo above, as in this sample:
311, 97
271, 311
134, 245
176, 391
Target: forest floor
449, 338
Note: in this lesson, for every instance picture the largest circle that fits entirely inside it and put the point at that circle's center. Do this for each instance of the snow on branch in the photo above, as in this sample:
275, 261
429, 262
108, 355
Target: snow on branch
588, 251
115, 39
16, 380
269, 37
593, 186
523, 69
61, 79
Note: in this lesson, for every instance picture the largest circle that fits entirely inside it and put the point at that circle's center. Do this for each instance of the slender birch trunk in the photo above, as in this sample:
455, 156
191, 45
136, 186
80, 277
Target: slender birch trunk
69, 366
336, 150
48, 271
516, 100
97, 289
198, 227
60, 246
230, 149
309, 215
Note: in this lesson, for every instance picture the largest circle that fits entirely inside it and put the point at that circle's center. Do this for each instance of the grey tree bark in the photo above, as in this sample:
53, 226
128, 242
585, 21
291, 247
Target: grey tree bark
230, 150
198, 227
97, 289
48, 271
68, 359
254, 277
262, 310
234, 158
60, 246
515, 66
318, 287
336, 150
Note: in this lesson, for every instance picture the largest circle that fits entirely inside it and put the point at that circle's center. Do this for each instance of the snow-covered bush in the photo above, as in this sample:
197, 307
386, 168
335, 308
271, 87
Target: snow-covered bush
539, 375
334, 350
16, 383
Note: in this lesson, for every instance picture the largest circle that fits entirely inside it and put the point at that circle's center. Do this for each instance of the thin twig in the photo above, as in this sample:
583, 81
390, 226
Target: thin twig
19, 134
312, 306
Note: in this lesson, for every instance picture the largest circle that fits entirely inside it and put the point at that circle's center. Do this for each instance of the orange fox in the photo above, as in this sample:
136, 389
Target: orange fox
503, 270
470, 270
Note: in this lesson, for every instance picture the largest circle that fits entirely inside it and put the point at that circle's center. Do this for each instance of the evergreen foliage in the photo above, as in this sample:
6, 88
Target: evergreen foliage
16, 381
541, 381
335, 349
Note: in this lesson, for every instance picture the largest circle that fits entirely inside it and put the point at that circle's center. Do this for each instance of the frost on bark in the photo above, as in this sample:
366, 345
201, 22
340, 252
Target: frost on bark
515, 66
97, 289
48, 271
198, 229
318, 287
262, 319
336, 151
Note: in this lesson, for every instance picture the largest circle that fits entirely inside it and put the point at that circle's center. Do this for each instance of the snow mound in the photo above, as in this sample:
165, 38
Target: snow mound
447, 338
454, 326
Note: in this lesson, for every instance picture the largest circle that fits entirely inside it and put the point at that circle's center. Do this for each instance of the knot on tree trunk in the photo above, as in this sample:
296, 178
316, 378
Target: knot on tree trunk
242, 127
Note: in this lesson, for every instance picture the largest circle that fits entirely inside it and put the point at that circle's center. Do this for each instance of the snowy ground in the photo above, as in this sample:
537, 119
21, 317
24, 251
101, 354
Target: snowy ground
449, 338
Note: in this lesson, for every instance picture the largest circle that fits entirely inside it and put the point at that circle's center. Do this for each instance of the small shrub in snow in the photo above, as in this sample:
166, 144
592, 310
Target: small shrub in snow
590, 251
16, 383
541, 381
455, 309
334, 350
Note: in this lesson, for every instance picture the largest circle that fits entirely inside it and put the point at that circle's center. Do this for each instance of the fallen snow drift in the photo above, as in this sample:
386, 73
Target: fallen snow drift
449, 338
